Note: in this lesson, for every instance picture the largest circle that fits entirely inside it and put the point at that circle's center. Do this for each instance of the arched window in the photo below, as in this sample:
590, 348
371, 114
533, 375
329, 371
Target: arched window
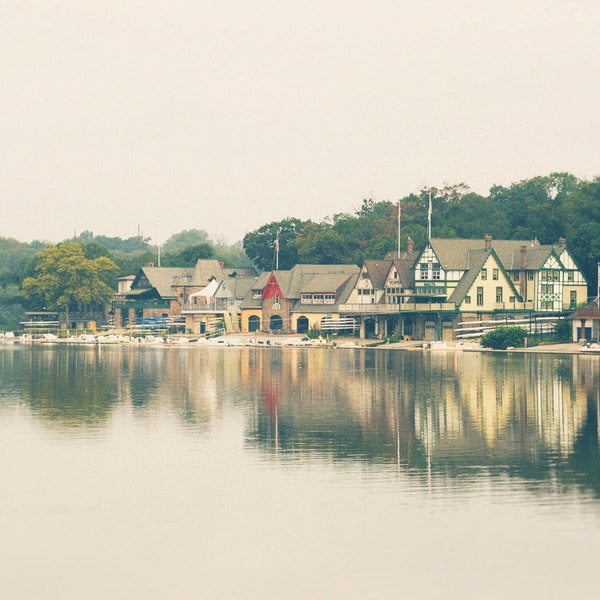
253, 323
276, 324
302, 324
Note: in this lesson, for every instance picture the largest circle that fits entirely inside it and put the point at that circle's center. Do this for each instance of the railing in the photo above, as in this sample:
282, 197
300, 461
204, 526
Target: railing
219, 305
126, 304
365, 309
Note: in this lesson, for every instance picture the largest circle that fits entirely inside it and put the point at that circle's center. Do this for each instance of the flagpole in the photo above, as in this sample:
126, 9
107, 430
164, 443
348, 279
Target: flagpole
399, 216
277, 251
429, 217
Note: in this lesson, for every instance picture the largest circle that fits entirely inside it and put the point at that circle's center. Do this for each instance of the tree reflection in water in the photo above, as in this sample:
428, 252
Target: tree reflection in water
436, 414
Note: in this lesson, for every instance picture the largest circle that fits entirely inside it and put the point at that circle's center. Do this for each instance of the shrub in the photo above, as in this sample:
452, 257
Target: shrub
562, 330
502, 338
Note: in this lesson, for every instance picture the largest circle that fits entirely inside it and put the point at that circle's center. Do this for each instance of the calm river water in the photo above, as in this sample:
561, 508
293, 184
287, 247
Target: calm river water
297, 473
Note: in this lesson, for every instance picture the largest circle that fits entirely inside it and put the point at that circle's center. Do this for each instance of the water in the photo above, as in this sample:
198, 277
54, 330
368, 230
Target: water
295, 473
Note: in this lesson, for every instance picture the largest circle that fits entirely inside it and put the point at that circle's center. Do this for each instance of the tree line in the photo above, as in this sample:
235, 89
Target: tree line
83, 271
545, 208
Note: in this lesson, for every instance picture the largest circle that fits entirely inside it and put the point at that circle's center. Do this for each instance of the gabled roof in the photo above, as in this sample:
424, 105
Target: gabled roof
477, 259
240, 286
341, 294
327, 283
293, 282
453, 254
378, 271
162, 279
207, 269
406, 273
258, 284
339, 279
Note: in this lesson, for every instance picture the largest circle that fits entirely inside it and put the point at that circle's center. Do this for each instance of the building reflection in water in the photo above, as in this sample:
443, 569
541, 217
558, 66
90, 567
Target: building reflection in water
430, 414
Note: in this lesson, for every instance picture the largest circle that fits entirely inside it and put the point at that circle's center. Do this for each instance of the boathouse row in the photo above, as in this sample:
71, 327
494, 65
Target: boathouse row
453, 288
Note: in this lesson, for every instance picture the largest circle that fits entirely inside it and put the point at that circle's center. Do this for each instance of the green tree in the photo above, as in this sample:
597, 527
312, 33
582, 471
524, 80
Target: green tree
184, 239
187, 257
581, 221
260, 245
502, 338
64, 276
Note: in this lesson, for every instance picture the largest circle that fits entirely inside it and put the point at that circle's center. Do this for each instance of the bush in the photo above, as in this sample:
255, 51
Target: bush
562, 331
502, 338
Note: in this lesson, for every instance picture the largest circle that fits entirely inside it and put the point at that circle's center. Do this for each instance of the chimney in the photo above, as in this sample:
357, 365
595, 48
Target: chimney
523, 257
410, 245
523, 277
488, 241
562, 241
149, 264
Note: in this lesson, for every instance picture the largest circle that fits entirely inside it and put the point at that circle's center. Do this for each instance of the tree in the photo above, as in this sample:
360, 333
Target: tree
64, 276
184, 239
502, 338
260, 245
187, 257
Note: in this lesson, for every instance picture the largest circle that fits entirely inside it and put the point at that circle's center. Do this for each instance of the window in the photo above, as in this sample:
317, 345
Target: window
436, 271
467, 299
572, 299
495, 274
499, 295
305, 299
329, 299
484, 274
529, 275
257, 294
317, 298
479, 296
516, 276
570, 276
511, 299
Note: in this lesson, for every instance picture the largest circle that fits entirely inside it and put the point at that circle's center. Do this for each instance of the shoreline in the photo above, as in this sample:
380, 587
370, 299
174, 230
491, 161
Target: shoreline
297, 341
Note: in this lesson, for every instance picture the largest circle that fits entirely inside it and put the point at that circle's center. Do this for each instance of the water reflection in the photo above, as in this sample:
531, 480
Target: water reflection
433, 415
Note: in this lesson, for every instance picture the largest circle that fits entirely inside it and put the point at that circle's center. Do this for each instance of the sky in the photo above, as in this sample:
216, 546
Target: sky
133, 116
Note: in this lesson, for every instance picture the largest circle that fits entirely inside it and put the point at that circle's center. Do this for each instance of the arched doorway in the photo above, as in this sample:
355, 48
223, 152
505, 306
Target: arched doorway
276, 324
253, 324
370, 328
302, 325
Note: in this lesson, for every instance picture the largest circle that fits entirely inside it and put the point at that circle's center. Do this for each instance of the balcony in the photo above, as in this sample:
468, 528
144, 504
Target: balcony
394, 309
219, 305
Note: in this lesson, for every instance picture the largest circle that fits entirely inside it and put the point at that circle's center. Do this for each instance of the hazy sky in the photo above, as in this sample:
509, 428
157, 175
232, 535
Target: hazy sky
224, 116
